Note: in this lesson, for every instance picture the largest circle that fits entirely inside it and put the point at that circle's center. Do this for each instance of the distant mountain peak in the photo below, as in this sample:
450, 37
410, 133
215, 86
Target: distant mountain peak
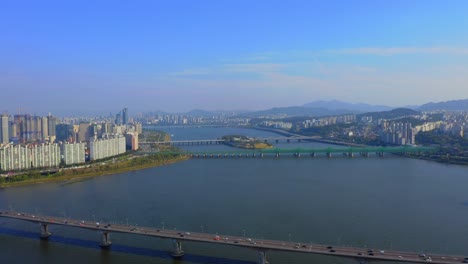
452, 105
340, 105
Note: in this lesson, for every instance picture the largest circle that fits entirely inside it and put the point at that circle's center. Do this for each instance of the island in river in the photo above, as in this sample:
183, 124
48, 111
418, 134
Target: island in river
240, 141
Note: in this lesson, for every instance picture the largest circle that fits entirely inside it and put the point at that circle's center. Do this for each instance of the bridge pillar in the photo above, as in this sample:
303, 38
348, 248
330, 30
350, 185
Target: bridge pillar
262, 258
361, 260
351, 154
177, 251
329, 155
277, 155
45, 234
254, 155
312, 154
105, 241
261, 155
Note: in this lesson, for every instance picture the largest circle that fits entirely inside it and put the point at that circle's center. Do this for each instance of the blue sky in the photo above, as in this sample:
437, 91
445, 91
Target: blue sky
100, 56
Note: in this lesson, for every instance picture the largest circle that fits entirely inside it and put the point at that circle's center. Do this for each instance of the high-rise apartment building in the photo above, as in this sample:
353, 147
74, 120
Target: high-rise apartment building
132, 140
83, 132
45, 155
73, 153
104, 148
51, 123
15, 158
4, 129
45, 127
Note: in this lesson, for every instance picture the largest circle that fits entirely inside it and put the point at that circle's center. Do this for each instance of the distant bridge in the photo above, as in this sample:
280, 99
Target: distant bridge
220, 141
260, 245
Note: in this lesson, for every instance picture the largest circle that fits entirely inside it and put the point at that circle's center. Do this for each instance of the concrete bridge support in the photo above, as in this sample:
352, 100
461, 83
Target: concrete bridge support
277, 155
177, 251
312, 154
254, 155
261, 155
351, 154
361, 260
262, 258
105, 241
45, 234
329, 155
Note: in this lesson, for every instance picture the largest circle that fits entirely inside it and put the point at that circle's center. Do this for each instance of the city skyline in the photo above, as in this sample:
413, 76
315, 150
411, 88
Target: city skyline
177, 56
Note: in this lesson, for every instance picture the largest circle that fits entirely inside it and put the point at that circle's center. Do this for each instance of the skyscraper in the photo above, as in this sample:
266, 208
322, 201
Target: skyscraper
4, 130
125, 116
51, 123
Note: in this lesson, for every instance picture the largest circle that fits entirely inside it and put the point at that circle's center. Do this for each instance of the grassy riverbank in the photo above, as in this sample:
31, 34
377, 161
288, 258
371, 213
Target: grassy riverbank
130, 163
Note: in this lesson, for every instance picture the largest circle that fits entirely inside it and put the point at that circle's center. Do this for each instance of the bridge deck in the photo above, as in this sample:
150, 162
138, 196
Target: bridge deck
257, 244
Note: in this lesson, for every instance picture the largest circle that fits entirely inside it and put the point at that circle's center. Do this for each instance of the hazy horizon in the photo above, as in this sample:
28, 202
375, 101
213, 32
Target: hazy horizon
98, 57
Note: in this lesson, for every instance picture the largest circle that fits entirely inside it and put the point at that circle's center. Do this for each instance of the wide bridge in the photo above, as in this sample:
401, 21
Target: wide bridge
298, 152
220, 141
260, 245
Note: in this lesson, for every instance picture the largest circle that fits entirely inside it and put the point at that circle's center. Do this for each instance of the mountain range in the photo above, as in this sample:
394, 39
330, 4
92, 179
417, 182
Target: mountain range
453, 105
335, 107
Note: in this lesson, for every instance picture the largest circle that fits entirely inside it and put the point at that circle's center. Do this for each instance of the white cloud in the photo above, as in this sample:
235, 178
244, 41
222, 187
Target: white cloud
383, 51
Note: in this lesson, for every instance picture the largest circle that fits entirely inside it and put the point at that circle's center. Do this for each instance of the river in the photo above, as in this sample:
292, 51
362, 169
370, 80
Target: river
382, 203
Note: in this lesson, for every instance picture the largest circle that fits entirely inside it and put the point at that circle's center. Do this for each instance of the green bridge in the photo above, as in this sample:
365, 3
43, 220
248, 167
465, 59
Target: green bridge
298, 151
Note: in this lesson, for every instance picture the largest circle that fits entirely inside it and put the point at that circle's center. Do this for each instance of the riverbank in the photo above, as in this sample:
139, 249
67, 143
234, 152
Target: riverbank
134, 163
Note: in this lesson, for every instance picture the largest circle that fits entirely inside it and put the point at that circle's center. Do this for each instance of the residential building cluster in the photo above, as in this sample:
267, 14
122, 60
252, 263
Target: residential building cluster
397, 133
46, 142
277, 124
330, 120
25, 128
195, 118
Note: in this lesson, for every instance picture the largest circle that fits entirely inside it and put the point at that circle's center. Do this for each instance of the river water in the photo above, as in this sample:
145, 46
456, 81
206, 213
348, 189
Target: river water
382, 203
